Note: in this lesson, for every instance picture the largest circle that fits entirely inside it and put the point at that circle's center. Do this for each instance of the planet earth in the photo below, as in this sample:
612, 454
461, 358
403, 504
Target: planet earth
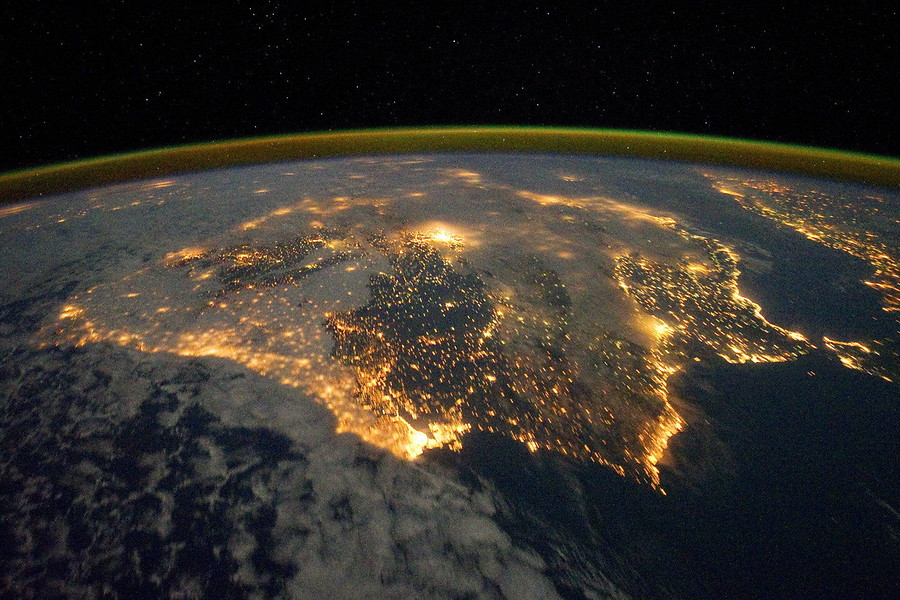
452, 375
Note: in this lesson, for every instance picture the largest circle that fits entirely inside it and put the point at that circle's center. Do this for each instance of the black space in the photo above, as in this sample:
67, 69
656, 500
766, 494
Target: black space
81, 79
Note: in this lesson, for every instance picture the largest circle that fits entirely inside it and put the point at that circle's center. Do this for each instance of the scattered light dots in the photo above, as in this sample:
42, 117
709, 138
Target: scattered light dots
411, 346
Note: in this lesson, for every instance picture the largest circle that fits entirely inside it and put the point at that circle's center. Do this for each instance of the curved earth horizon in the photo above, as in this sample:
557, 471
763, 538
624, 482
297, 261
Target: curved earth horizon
445, 363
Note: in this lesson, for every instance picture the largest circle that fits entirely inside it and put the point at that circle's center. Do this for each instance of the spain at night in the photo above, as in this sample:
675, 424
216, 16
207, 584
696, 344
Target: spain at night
358, 301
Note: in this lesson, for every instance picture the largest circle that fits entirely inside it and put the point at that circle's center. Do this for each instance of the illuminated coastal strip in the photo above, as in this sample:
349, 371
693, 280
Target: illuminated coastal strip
66, 177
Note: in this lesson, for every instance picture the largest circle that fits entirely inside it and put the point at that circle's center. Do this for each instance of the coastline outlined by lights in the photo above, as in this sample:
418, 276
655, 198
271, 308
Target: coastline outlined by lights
865, 226
421, 299
420, 296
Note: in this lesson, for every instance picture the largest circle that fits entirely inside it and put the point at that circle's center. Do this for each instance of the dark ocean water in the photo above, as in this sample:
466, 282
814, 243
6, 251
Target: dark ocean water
790, 498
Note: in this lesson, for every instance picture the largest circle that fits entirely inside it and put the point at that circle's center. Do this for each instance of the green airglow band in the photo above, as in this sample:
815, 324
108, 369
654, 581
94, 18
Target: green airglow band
817, 162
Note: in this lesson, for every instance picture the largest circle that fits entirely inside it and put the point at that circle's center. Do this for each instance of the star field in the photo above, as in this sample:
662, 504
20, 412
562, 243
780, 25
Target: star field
121, 76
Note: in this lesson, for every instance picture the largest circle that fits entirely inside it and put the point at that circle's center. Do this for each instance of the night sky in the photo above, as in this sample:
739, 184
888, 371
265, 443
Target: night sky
86, 78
